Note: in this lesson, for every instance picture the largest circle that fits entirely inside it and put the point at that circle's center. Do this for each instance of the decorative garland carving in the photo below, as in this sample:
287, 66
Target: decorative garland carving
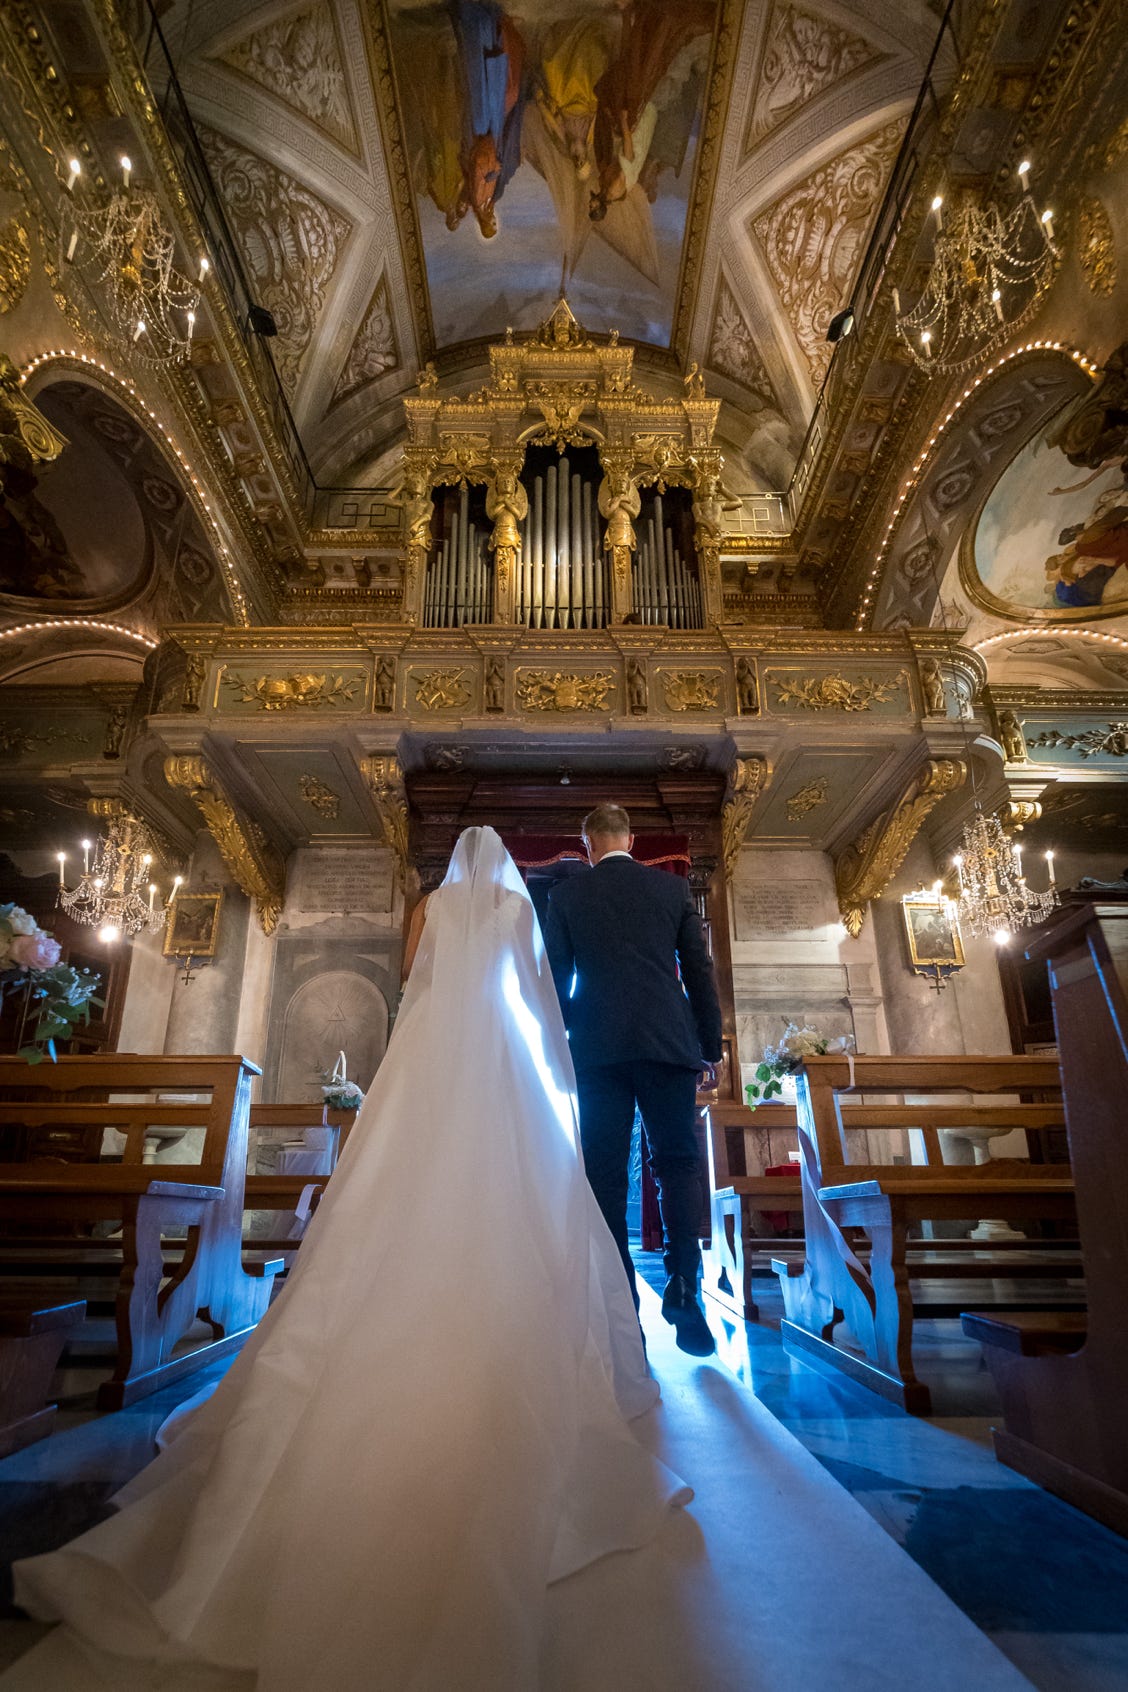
692, 690
295, 692
836, 692
865, 868
256, 864
745, 785
537, 690
385, 778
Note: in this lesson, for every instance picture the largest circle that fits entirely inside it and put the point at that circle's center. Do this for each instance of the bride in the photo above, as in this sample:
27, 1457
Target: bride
430, 1425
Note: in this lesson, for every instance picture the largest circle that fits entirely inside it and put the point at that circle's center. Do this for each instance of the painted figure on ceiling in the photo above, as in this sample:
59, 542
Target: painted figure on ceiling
434, 87
654, 33
574, 55
1094, 552
492, 60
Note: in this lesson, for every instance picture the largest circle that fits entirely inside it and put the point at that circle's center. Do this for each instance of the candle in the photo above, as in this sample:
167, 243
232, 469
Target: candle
997, 302
1048, 222
1018, 863
938, 208
897, 301
62, 859
191, 323
140, 329
926, 342
152, 895
86, 857
75, 173
71, 245
126, 168
1024, 175
1050, 868
205, 266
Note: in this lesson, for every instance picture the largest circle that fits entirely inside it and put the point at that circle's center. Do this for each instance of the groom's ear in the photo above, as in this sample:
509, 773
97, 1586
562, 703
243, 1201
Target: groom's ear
630, 842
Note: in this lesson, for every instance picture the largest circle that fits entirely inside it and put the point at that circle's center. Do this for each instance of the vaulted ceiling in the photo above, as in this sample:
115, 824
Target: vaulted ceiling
405, 181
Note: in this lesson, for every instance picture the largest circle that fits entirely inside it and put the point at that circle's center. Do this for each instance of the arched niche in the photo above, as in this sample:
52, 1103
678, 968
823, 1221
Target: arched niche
334, 1011
991, 429
109, 525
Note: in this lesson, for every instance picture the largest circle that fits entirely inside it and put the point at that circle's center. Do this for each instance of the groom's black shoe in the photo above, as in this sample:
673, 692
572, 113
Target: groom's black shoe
680, 1306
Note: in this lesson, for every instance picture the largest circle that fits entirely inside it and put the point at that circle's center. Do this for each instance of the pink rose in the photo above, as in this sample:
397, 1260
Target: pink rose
33, 951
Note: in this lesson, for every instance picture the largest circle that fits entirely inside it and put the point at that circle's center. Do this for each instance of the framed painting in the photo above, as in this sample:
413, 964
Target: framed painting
1050, 542
933, 931
192, 929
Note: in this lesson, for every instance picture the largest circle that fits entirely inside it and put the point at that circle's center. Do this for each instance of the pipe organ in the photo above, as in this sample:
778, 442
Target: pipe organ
562, 572
562, 495
459, 586
665, 585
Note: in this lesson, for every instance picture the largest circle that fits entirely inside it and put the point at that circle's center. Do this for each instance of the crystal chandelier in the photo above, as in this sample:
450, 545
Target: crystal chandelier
125, 245
988, 272
995, 897
114, 893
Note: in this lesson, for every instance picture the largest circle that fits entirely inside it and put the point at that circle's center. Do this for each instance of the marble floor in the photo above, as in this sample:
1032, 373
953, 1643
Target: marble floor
1044, 1584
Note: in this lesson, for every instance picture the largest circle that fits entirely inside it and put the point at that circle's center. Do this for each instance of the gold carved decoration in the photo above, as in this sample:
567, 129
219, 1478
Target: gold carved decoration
441, 690
561, 404
384, 775
322, 798
1096, 253
299, 691
692, 690
865, 868
745, 784
1019, 812
836, 692
26, 437
15, 262
807, 799
256, 864
538, 690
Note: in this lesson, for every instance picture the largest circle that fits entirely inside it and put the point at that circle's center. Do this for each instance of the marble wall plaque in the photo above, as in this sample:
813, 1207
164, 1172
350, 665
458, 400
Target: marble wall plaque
781, 910
341, 879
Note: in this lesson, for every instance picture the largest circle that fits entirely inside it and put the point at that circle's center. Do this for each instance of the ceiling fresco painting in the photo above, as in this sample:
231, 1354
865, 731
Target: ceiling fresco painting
1052, 538
552, 151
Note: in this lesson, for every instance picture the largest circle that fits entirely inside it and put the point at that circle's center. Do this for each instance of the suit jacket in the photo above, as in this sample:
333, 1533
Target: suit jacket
621, 931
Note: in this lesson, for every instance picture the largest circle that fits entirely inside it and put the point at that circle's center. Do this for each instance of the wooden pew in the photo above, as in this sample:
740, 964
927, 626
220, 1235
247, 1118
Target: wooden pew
1065, 1395
738, 1201
33, 1332
162, 1283
293, 1196
850, 1206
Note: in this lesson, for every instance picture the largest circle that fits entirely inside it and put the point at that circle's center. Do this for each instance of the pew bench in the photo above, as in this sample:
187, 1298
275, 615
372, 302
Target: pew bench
33, 1332
178, 1256
292, 1195
740, 1199
860, 1259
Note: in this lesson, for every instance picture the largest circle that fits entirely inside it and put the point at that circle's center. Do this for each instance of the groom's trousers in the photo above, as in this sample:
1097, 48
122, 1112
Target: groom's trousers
666, 1095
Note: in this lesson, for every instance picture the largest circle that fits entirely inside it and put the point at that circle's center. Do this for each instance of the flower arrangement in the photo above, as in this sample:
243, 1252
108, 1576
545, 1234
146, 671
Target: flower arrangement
787, 1059
58, 996
338, 1092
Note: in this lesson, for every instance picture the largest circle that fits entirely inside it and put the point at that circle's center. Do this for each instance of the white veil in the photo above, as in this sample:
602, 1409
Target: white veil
429, 1426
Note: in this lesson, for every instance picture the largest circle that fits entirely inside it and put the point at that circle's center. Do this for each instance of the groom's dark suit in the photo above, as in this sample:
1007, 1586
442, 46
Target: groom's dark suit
616, 938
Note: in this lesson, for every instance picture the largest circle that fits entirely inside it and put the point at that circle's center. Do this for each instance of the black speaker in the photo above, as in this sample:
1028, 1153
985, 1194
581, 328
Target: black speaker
261, 321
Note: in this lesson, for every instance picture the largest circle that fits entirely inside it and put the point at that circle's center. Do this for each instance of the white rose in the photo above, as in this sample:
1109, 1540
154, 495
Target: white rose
20, 923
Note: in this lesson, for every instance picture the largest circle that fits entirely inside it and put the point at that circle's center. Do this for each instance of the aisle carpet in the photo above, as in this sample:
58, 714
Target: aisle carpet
774, 1580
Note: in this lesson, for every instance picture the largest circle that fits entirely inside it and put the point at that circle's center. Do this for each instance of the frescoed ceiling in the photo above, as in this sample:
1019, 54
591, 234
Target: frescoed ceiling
407, 180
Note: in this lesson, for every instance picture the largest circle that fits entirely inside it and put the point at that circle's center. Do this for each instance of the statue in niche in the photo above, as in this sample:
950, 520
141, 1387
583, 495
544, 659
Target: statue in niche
195, 675
747, 687
413, 496
619, 504
932, 686
694, 383
495, 685
1013, 739
711, 499
428, 379
636, 685
115, 731
384, 689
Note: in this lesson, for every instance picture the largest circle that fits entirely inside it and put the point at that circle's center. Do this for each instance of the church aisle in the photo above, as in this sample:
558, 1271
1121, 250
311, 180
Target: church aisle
776, 1579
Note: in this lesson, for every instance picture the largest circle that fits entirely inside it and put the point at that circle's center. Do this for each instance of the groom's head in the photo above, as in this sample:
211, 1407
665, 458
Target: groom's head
607, 829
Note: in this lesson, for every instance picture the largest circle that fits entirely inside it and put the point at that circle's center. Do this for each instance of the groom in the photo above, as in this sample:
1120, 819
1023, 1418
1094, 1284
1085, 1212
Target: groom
616, 940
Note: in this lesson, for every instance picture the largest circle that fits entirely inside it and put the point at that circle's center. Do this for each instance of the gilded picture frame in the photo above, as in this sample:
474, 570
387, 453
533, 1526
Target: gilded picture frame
932, 929
192, 929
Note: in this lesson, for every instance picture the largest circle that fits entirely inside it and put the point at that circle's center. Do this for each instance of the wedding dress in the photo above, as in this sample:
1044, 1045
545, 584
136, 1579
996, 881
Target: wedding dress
430, 1425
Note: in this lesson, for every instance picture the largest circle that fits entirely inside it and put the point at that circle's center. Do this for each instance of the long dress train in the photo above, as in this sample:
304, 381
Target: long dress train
430, 1425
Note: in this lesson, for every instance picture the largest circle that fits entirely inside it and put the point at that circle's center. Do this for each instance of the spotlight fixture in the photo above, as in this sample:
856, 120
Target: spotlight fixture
841, 325
261, 321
